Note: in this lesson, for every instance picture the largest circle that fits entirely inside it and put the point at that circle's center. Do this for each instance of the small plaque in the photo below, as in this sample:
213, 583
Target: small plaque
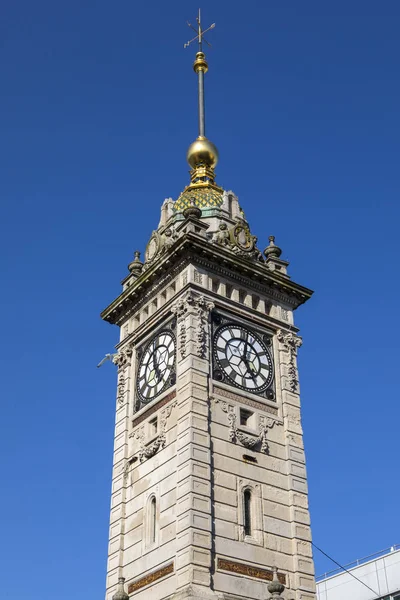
150, 578
248, 570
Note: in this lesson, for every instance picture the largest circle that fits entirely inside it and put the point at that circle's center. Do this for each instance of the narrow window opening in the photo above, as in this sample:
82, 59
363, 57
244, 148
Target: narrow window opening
153, 517
247, 512
153, 426
215, 285
242, 296
230, 199
255, 301
268, 306
228, 291
245, 416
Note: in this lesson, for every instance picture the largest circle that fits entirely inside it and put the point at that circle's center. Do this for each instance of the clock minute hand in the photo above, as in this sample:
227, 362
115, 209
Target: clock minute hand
156, 367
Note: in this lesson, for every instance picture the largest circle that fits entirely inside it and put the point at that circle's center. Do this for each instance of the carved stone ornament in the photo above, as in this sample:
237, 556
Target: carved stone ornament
123, 357
167, 239
152, 248
200, 307
150, 449
239, 240
291, 342
121, 360
247, 440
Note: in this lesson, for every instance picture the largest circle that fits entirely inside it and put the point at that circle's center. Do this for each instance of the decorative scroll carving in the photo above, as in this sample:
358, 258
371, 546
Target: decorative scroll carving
150, 578
121, 359
247, 440
121, 388
200, 307
150, 449
248, 570
203, 307
291, 342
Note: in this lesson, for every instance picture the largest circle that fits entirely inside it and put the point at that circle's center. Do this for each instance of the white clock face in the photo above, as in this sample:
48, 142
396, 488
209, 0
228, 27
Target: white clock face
156, 367
243, 358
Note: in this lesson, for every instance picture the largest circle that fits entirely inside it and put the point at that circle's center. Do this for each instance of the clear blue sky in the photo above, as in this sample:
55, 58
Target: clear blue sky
97, 109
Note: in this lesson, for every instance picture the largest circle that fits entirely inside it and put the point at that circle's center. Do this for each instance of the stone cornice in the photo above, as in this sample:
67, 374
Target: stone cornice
194, 248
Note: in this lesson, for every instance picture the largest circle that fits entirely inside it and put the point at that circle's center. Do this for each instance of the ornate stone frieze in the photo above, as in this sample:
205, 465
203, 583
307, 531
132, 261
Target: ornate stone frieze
150, 578
247, 440
199, 307
291, 342
149, 449
244, 400
248, 570
243, 281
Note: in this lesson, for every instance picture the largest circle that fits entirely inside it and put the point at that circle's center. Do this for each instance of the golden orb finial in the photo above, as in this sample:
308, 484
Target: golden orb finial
202, 152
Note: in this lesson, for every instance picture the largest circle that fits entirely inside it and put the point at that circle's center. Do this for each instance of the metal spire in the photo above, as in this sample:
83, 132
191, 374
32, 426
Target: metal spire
200, 67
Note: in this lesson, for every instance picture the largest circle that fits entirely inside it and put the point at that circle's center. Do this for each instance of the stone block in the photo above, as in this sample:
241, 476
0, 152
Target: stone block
193, 555
193, 501
194, 468
299, 515
225, 496
120, 440
302, 532
193, 519
225, 480
193, 484
194, 537
132, 553
297, 454
225, 529
278, 511
226, 512
277, 527
275, 494
168, 533
297, 484
194, 452
304, 565
303, 548
305, 582
167, 500
115, 529
298, 499
298, 470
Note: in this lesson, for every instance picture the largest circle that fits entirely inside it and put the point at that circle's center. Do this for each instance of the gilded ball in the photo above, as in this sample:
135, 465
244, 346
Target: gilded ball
202, 151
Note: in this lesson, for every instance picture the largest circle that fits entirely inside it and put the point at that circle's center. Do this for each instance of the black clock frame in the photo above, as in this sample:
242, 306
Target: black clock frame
169, 329
219, 323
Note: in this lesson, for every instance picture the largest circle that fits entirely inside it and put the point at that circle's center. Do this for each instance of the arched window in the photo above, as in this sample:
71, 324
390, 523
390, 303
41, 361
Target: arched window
152, 520
247, 512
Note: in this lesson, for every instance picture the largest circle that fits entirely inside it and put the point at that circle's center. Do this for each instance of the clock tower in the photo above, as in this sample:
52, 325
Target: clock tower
209, 486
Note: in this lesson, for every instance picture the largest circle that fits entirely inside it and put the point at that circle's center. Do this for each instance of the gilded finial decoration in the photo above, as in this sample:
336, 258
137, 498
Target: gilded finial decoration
202, 154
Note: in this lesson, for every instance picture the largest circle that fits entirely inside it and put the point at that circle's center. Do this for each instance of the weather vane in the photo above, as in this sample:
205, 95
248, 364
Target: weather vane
200, 67
199, 33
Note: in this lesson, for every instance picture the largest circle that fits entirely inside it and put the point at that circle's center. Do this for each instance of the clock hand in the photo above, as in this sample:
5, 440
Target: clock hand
155, 365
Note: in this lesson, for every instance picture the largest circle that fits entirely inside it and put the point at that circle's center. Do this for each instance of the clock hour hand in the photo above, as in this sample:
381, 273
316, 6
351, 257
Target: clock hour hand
249, 366
155, 365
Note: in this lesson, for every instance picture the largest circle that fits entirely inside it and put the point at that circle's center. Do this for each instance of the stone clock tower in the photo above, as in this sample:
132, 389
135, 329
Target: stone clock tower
209, 487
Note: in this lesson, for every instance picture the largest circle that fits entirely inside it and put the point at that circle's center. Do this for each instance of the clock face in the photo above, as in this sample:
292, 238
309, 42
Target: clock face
157, 367
243, 357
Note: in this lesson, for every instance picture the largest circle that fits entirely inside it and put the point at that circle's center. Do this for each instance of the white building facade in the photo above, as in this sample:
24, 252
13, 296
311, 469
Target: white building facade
380, 574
